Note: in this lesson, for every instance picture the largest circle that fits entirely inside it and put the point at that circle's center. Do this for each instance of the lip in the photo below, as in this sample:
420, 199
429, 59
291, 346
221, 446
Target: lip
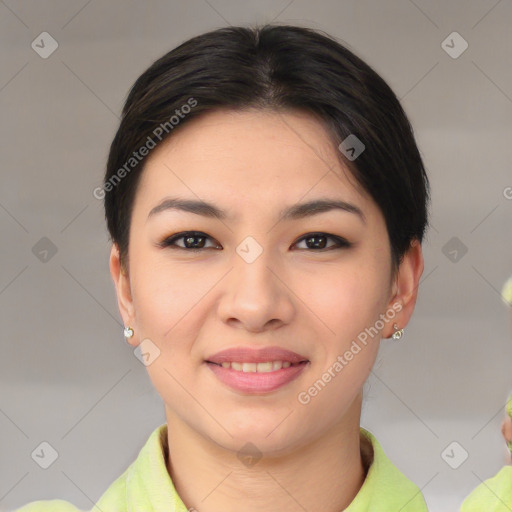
256, 382
255, 355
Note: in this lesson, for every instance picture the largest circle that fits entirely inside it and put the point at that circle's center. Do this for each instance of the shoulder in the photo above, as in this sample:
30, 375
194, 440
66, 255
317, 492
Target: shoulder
48, 506
385, 488
493, 495
145, 482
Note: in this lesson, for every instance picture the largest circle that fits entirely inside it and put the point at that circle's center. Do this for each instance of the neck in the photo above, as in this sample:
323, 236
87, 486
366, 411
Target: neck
324, 474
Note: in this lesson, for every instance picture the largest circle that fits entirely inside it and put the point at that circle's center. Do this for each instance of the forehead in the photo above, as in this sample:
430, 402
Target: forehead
269, 156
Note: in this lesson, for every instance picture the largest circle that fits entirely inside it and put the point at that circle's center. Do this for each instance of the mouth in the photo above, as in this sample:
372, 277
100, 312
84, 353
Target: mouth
257, 371
263, 367
249, 359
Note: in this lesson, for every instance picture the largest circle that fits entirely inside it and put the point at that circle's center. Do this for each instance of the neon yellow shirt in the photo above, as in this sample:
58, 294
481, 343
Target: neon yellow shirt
493, 495
146, 486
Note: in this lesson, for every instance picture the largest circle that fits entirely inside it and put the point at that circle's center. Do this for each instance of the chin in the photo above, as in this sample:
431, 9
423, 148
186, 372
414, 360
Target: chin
270, 432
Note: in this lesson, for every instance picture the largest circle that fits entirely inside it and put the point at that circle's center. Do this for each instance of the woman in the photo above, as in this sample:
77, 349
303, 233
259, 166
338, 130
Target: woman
266, 202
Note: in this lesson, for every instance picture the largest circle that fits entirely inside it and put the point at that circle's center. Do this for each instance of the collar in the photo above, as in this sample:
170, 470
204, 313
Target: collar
147, 486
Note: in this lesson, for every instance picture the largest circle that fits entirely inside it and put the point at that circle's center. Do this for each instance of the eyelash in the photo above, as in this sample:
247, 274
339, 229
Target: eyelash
169, 242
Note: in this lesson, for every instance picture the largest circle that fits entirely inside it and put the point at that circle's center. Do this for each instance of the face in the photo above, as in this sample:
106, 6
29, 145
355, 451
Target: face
259, 269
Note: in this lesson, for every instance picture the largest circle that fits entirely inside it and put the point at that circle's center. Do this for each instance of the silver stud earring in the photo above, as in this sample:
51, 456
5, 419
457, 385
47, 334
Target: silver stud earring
128, 332
398, 332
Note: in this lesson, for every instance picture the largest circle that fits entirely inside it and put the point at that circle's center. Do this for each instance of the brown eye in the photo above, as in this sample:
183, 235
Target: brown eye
192, 240
318, 241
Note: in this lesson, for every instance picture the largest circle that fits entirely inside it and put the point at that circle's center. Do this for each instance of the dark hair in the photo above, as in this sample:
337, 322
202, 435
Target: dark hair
276, 67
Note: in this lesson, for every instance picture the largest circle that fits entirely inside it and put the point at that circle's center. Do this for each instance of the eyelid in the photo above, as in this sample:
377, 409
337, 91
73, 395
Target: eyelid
169, 241
341, 242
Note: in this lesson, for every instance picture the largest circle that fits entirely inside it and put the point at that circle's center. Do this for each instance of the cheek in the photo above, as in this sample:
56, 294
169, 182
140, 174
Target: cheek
347, 298
170, 303
163, 296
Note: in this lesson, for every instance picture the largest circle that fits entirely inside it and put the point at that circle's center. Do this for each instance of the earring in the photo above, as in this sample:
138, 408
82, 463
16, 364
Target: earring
128, 332
398, 332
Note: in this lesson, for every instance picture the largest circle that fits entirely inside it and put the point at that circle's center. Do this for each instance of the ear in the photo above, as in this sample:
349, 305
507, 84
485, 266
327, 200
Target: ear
123, 290
506, 429
404, 290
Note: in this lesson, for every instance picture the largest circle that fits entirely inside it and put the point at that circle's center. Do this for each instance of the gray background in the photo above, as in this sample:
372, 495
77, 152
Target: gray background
66, 375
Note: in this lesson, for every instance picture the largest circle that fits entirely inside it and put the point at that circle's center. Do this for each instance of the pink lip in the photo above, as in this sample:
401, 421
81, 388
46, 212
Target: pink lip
252, 355
254, 382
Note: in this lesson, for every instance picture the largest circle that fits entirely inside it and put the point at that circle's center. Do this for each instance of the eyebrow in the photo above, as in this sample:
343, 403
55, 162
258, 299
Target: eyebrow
297, 211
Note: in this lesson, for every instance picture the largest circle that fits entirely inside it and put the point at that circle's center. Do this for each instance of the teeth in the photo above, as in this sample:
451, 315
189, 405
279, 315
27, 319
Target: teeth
264, 367
268, 366
249, 367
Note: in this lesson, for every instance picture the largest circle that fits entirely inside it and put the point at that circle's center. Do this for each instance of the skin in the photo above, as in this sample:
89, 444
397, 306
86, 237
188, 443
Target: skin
314, 302
506, 430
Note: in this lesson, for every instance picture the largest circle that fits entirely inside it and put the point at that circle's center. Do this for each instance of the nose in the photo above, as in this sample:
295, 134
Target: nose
256, 296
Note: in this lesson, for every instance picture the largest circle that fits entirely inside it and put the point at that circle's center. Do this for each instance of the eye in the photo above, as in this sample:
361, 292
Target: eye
192, 240
318, 241
195, 240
